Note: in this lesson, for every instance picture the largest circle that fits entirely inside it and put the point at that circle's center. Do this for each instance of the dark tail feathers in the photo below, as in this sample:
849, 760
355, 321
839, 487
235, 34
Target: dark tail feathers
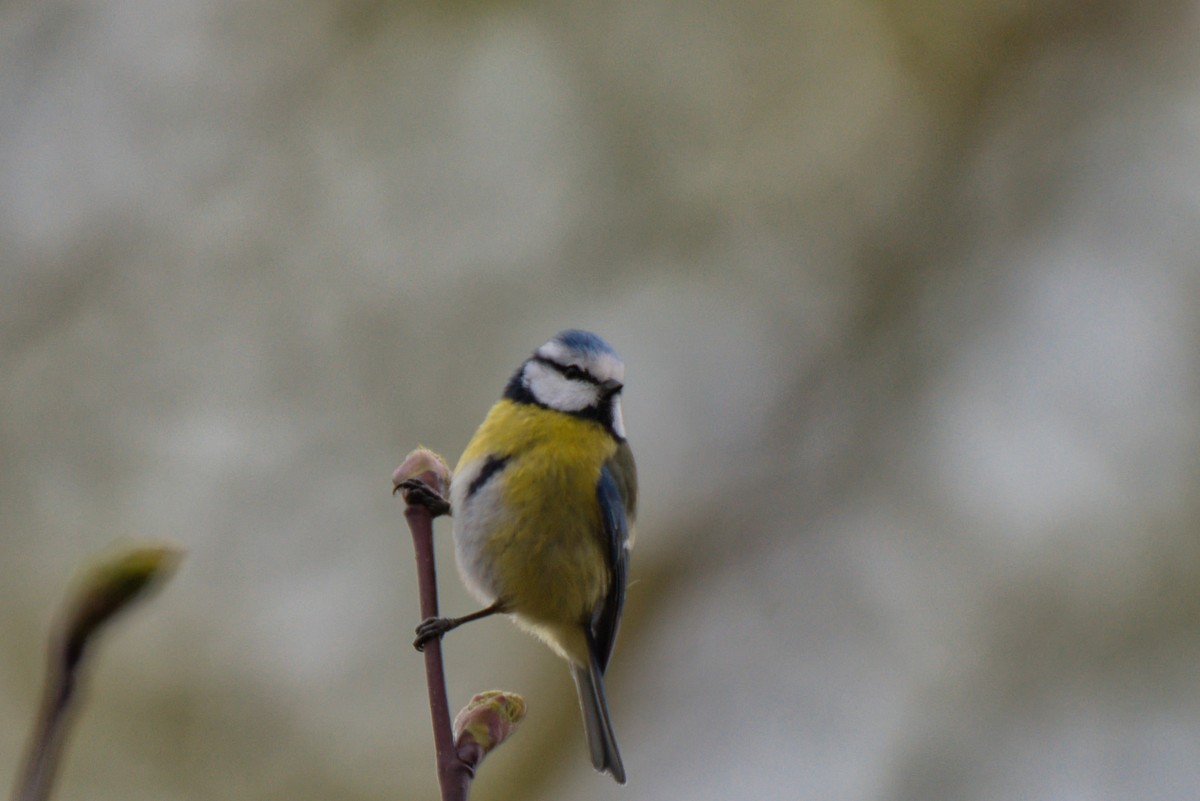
589, 681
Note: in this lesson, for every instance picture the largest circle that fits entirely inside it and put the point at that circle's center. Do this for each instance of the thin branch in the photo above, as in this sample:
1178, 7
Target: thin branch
423, 479
454, 779
490, 718
108, 586
49, 734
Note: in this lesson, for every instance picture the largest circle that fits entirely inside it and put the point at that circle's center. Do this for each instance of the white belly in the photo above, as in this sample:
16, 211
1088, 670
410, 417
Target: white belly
474, 520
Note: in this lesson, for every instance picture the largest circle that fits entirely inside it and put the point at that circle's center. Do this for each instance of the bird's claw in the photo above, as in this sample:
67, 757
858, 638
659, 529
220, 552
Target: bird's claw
431, 628
417, 493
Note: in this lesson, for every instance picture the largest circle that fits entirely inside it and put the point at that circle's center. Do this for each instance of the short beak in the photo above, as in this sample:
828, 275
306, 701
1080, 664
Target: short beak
611, 387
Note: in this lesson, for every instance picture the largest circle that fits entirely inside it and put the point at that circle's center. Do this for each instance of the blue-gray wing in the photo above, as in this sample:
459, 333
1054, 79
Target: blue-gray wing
616, 507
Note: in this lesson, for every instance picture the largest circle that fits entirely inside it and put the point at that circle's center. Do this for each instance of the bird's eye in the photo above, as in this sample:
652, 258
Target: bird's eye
574, 372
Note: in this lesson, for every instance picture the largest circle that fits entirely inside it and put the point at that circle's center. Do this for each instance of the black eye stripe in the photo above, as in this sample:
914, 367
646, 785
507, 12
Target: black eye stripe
569, 371
518, 391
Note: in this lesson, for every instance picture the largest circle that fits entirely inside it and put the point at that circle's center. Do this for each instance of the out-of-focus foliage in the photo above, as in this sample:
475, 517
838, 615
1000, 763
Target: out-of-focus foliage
907, 292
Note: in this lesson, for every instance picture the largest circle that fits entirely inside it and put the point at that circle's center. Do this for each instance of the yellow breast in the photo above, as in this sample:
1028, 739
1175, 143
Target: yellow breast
540, 543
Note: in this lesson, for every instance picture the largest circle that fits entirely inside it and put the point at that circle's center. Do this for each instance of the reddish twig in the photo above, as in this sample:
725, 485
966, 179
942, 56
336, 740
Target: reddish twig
454, 775
490, 718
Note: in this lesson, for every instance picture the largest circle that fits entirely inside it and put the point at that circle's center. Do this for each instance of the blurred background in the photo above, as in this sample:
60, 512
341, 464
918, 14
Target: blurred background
907, 293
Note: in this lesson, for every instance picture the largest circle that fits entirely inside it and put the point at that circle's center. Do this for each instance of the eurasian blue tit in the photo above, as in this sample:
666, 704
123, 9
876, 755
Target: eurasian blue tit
543, 501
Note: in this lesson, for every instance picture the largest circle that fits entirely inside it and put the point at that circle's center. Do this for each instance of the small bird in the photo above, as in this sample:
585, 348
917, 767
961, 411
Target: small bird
543, 501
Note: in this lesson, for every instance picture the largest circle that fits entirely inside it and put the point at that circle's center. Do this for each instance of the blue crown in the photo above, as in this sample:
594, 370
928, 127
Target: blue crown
584, 342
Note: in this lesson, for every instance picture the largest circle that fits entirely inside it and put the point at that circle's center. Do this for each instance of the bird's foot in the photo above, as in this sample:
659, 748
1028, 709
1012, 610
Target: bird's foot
432, 628
417, 493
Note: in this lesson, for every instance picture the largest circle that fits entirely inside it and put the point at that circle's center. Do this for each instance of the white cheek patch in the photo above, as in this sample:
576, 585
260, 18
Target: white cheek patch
553, 389
618, 420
